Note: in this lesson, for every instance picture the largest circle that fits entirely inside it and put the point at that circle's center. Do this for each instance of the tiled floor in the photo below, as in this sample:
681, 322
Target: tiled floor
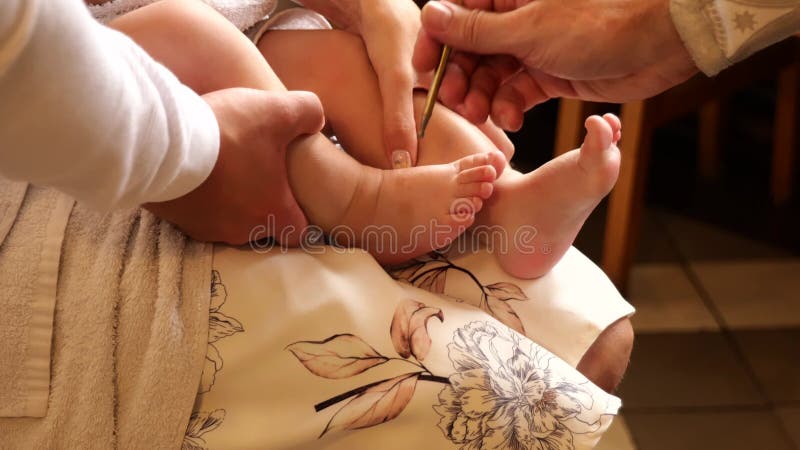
716, 364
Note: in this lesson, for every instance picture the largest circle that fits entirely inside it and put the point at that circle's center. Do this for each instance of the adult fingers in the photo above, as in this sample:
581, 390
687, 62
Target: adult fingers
292, 114
426, 52
399, 125
475, 30
490, 74
457, 78
517, 95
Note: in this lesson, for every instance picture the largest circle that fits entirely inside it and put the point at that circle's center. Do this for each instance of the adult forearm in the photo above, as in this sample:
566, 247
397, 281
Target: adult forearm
85, 110
720, 33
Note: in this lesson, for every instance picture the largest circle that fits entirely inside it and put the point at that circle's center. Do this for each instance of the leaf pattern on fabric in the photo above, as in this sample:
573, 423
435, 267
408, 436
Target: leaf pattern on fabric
409, 329
503, 312
339, 356
427, 272
430, 273
378, 404
211, 366
506, 291
201, 423
347, 355
220, 326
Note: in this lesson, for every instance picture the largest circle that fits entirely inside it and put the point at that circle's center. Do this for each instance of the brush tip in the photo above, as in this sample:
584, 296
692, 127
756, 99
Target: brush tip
423, 126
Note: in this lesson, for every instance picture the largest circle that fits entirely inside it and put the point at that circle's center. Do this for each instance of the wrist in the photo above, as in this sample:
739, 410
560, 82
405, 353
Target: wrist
343, 14
667, 48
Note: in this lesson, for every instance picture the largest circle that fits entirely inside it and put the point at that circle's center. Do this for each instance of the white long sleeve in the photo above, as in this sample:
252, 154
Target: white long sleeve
83, 109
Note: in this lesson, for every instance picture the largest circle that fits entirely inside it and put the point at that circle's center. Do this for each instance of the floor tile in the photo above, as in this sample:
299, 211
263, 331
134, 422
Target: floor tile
618, 437
686, 370
790, 418
698, 241
774, 356
655, 244
666, 300
729, 430
753, 294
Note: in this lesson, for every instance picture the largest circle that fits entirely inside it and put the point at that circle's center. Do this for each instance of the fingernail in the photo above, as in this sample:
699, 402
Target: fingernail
438, 15
505, 120
401, 159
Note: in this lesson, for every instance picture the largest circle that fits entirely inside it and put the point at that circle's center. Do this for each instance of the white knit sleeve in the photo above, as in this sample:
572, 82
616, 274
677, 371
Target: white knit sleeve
85, 110
719, 33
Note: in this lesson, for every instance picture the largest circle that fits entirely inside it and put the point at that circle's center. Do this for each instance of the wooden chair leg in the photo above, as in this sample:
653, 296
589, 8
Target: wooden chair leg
708, 139
571, 114
785, 134
626, 202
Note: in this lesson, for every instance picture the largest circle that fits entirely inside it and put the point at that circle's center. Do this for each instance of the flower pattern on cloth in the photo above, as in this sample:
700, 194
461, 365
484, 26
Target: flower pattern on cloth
220, 326
504, 394
507, 392
738, 23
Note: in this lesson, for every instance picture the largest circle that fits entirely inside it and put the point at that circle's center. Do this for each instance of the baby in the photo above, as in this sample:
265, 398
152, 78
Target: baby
461, 181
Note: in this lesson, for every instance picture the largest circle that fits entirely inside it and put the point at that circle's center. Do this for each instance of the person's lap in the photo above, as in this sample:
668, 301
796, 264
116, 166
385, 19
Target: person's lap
298, 330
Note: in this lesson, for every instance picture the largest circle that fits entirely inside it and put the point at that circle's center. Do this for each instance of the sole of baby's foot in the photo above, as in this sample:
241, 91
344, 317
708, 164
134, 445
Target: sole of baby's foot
397, 215
541, 212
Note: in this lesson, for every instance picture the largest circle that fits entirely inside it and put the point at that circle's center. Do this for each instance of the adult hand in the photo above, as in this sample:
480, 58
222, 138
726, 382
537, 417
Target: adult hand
597, 50
248, 188
388, 29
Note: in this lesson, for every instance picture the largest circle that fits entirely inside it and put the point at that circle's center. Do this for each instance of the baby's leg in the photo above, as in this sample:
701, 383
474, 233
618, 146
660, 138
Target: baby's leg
540, 213
378, 210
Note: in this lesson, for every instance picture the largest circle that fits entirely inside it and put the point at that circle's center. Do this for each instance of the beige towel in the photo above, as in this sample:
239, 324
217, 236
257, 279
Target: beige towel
34, 231
129, 331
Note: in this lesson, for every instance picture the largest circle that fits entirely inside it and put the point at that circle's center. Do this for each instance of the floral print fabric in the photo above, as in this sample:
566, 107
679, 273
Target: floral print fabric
334, 353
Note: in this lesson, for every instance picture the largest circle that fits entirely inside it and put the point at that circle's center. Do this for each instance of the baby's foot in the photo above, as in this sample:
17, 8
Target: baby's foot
400, 214
542, 212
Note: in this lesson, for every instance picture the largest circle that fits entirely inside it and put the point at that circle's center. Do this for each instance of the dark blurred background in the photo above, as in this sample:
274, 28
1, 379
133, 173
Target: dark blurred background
738, 200
715, 278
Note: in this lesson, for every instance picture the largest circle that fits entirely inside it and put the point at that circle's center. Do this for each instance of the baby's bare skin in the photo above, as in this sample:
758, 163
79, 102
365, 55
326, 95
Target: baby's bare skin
544, 209
336, 192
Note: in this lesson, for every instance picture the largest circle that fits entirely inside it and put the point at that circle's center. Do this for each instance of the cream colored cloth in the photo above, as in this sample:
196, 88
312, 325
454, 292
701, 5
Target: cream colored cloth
719, 33
291, 331
129, 327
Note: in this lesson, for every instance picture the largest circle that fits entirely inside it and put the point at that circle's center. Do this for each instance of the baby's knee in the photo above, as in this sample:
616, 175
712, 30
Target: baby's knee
607, 359
166, 14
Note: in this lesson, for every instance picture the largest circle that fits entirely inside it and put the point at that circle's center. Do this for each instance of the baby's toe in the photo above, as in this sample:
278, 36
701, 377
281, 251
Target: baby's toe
480, 189
477, 174
599, 134
616, 126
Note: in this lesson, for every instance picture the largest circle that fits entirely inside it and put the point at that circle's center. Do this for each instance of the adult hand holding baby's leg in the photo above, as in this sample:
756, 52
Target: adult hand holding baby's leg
248, 188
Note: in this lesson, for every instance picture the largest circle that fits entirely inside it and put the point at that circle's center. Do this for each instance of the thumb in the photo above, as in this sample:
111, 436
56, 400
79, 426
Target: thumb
299, 113
476, 30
